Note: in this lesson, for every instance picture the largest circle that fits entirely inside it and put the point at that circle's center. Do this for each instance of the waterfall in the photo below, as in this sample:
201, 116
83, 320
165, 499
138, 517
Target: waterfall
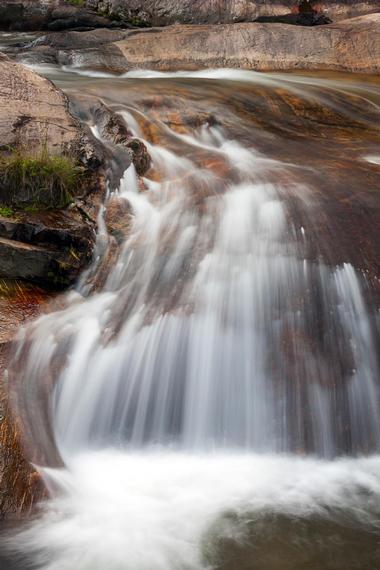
202, 335
217, 349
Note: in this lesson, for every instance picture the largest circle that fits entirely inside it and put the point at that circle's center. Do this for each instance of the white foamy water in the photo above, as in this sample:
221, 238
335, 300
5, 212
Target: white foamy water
373, 159
159, 510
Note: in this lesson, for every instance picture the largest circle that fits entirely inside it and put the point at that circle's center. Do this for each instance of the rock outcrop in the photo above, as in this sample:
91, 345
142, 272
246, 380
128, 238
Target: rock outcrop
166, 12
351, 45
49, 247
33, 113
89, 14
48, 14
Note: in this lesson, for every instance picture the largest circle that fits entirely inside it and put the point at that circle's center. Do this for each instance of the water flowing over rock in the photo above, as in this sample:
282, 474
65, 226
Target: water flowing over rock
232, 332
209, 231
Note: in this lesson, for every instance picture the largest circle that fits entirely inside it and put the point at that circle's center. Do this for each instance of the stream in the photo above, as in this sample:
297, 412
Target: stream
216, 381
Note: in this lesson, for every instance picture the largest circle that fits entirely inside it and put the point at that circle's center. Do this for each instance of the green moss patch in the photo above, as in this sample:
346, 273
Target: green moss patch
38, 181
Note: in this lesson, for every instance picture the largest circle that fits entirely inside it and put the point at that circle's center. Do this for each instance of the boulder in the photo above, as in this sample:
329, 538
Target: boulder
48, 247
74, 17
35, 114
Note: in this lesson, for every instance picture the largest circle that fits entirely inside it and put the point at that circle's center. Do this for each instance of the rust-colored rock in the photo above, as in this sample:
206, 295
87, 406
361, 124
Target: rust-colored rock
20, 484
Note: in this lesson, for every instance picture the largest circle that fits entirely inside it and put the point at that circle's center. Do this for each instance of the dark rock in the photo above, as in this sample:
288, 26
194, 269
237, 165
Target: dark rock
23, 14
309, 16
49, 248
70, 18
114, 129
313, 19
42, 265
10, 14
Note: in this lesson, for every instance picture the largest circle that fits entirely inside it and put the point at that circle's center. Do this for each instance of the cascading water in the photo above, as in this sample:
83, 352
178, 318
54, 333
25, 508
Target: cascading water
217, 343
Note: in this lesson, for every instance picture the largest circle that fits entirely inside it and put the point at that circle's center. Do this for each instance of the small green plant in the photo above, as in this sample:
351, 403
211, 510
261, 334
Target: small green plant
38, 181
6, 212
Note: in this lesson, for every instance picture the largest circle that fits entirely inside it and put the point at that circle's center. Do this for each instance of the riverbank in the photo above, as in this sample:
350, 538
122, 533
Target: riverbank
57, 15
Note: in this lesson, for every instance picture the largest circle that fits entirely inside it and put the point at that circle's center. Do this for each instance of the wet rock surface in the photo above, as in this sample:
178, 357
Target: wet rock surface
20, 485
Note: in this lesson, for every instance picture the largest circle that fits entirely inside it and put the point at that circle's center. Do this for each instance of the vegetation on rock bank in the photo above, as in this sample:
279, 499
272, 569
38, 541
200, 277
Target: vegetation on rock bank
38, 180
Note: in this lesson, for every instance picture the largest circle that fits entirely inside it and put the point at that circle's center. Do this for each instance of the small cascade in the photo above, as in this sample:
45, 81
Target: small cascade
205, 334
215, 395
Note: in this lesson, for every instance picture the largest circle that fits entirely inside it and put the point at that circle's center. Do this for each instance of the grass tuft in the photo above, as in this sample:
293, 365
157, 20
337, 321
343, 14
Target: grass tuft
6, 212
40, 181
